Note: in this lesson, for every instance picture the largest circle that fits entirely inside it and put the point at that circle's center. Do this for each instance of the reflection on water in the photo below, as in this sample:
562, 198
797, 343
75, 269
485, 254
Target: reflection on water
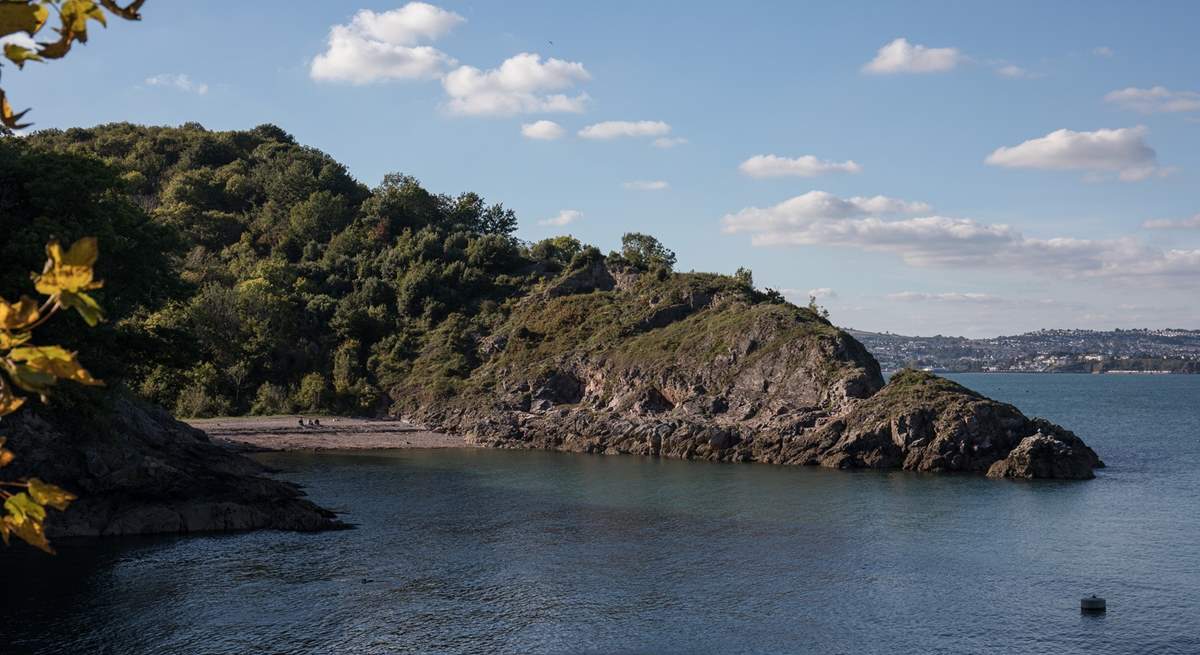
527, 552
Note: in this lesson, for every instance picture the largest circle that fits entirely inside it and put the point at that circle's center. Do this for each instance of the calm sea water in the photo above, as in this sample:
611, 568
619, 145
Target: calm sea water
526, 552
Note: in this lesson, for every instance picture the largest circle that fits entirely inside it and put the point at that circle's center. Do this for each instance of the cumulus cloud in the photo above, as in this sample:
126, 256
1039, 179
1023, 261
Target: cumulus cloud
564, 217
1155, 100
669, 141
376, 47
647, 185
1123, 151
178, 81
804, 166
875, 224
618, 129
521, 84
822, 293
948, 297
812, 207
1192, 223
900, 56
542, 130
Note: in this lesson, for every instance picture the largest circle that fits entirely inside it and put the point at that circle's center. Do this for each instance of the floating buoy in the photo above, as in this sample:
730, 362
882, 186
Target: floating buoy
1093, 604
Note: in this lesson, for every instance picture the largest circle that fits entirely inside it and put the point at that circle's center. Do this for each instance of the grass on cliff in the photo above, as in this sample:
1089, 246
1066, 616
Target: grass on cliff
544, 334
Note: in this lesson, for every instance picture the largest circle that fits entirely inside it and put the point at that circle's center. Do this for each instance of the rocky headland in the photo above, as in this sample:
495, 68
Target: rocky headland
607, 359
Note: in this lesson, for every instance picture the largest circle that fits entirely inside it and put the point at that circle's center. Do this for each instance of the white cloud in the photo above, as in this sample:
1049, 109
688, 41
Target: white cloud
669, 141
178, 81
522, 84
822, 293
948, 297
1014, 72
804, 166
564, 217
647, 185
1155, 100
900, 56
1123, 151
376, 47
543, 130
1192, 223
818, 218
814, 206
408, 25
616, 129
1103, 51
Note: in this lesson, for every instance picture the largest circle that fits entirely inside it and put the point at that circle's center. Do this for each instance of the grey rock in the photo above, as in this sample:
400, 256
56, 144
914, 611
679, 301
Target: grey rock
137, 470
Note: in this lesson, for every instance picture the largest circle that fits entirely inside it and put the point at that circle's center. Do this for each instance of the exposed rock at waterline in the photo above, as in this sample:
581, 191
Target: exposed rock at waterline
137, 470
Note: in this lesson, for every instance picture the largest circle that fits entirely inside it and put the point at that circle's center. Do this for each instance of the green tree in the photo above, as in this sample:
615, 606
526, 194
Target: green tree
646, 252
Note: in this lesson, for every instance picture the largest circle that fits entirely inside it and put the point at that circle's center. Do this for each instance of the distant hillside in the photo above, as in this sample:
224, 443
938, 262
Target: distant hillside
1044, 351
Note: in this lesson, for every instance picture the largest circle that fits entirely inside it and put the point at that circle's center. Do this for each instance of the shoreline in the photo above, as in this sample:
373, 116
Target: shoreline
280, 433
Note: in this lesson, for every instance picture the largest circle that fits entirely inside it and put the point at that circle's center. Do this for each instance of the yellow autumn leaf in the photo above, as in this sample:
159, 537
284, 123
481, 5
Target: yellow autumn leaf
64, 278
13, 339
6, 455
69, 272
75, 14
48, 494
22, 17
83, 252
56, 361
7, 117
32, 532
19, 315
8, 402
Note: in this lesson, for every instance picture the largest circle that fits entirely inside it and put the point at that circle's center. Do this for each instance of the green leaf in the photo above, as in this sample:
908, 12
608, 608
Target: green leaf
22, 507
19, 55
87, 306
30, 379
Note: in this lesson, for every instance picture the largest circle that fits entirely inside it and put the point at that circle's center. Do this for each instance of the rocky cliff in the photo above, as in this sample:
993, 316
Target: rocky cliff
139, 471
696, 366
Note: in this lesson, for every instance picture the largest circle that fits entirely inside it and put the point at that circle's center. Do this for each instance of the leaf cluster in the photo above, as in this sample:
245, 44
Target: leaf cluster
29, 17
66, 281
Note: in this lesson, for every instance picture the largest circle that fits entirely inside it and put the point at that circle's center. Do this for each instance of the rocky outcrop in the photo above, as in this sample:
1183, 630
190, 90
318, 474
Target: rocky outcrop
137, 470
688, 368
1055, 453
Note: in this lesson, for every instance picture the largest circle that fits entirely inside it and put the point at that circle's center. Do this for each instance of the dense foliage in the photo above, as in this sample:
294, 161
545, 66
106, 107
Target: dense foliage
256, 275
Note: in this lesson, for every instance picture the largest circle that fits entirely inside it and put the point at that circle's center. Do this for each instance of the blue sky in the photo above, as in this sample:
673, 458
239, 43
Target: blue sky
1005, 167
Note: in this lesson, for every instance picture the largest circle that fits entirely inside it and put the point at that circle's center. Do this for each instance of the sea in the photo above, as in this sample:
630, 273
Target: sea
487, 551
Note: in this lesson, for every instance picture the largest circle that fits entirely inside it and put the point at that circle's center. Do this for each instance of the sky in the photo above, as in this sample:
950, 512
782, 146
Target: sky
960, 168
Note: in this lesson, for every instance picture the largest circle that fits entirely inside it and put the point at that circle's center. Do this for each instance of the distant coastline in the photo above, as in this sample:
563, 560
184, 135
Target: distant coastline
1165, 351
942, 371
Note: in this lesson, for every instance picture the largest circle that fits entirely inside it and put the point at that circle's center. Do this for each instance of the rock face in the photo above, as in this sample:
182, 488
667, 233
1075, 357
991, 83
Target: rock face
692, 367
139, 471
